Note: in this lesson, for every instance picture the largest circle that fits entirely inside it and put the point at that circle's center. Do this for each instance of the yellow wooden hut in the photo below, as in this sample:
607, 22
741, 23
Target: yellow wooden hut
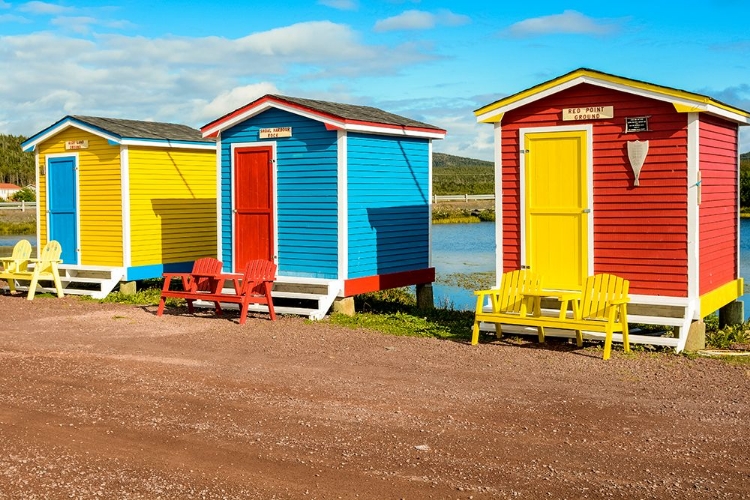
127, 199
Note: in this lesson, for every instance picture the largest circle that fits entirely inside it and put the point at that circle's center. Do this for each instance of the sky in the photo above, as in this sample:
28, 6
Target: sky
433, 61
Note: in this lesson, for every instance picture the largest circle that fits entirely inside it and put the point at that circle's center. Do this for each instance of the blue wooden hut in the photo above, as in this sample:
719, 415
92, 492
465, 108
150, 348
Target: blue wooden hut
338, 195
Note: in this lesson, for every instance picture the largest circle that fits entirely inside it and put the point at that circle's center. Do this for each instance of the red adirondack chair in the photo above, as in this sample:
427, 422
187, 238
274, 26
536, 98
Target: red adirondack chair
201, 281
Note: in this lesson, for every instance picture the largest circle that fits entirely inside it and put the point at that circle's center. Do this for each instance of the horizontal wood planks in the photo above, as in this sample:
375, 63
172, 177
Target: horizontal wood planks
172, 205
306, 192
100, 196
388, 204
718, 209
640, 233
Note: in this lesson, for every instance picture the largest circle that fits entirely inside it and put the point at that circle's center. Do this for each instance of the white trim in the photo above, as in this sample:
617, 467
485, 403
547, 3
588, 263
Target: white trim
67, 124
695, 104
78, 199
127, 258
429, 203
274, 202
693, 210
318, 116
343, 205
588, 128
499, 249
167, 144
38, 198
219, 217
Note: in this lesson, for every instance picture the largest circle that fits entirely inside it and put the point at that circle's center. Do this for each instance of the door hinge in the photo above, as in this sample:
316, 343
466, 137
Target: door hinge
524, 151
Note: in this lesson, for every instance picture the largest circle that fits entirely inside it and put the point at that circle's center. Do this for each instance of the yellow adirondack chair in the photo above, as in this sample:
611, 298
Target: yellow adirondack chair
45, 269
18, 261
508, 303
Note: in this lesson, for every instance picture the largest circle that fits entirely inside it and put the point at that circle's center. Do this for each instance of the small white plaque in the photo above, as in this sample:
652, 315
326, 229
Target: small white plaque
588, 113
80, 144
272, 133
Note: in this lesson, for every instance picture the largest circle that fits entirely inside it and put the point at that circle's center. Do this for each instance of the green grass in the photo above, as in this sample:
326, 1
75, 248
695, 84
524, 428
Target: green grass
395, 312
17, 228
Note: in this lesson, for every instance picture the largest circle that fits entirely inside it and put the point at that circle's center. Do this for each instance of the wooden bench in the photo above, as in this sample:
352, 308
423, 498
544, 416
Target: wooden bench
253, 286
600, 307
510, 303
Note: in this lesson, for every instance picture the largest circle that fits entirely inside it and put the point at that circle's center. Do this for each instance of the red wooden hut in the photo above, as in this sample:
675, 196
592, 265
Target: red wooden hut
598, 173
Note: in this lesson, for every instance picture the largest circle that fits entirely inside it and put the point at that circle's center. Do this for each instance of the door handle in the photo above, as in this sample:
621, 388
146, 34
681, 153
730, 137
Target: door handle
586, 211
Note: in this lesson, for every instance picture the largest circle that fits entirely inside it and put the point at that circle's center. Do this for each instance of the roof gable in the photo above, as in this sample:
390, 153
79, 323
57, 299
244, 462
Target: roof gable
127, 132
336, 116
682, 100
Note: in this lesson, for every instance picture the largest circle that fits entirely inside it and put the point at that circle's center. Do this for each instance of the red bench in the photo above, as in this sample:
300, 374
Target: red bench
205, 282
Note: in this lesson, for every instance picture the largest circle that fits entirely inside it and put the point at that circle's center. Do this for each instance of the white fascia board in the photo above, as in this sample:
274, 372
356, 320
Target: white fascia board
168, 144
67, 124
533, 97
332, 122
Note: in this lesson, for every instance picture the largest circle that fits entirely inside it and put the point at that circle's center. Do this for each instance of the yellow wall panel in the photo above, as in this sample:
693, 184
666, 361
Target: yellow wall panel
100, 196
172, 205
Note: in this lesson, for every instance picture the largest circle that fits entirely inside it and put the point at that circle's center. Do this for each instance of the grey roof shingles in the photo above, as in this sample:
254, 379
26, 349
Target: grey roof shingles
137, 129
354, 112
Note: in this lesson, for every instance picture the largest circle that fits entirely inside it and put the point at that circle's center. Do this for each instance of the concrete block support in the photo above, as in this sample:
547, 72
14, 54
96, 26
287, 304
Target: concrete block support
128, 287
344, 305
696, 337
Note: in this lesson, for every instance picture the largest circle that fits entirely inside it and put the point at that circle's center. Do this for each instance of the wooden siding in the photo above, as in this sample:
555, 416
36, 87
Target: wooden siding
306, 193
388, 211
640, 233
100, 198
172, 205
718, 208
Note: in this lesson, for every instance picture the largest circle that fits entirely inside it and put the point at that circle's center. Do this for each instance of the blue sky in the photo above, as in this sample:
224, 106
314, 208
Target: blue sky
435, 61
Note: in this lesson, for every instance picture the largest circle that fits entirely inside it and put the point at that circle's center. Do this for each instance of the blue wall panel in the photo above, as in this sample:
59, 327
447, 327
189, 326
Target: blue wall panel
388, 187
307, 188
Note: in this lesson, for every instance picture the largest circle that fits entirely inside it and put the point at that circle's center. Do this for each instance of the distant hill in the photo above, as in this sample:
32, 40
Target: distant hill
458, 175
440, 160
743, 156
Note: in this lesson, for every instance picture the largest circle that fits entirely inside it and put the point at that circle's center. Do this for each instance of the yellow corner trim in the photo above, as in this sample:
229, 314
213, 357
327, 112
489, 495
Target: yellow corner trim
685, 108
719, 297
592, 76
494, 118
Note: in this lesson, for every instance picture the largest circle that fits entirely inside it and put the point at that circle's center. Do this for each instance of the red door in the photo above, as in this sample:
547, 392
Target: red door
253, 205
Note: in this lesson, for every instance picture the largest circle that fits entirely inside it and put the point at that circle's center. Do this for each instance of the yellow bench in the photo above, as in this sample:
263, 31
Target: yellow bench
601, 306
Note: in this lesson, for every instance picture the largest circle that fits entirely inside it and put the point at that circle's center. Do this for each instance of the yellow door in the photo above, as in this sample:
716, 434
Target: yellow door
556, 211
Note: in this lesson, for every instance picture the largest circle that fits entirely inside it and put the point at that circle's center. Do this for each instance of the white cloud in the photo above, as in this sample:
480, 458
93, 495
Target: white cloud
569, 22
186, 80
227, 102
10, 18
43, 8
76, 24
420, 20
4, 5
340, 4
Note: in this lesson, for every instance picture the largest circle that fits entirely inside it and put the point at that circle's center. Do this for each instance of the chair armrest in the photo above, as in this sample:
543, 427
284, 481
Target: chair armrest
618, 302
37, 261
486, 292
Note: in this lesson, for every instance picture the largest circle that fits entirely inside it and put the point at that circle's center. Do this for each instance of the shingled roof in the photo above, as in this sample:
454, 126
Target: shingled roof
354, 112
334, 114
138, 129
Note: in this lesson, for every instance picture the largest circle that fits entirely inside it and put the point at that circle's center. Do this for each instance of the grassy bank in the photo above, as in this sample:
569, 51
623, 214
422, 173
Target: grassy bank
17, 228
462, 213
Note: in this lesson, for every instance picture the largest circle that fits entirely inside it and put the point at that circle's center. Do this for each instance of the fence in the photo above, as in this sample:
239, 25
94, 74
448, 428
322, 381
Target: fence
462, 197
19, 205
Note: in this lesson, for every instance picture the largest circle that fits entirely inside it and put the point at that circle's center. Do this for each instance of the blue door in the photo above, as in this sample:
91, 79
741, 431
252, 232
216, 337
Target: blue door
62, 195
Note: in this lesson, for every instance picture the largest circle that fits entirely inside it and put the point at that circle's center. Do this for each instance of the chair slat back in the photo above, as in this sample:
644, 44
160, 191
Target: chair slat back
256, 273
20, 257
599, 291
512, 287
206, 265
50, 254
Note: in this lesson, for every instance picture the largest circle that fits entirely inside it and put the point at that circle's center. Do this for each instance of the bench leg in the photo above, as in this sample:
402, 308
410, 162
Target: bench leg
269, 301
498, 331
475, 333
32, 287
243, 312
540, 333
162, 303
607, 343
579, 338
625, 332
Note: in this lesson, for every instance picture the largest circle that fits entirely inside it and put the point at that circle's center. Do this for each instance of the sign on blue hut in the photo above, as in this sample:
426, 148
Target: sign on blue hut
338, 195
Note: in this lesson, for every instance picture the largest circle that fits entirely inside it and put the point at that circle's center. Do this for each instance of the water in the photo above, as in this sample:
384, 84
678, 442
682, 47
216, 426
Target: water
467, 248
9, 240
461, 248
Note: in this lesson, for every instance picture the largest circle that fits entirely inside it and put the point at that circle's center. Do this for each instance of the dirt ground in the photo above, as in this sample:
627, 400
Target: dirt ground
111, 401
